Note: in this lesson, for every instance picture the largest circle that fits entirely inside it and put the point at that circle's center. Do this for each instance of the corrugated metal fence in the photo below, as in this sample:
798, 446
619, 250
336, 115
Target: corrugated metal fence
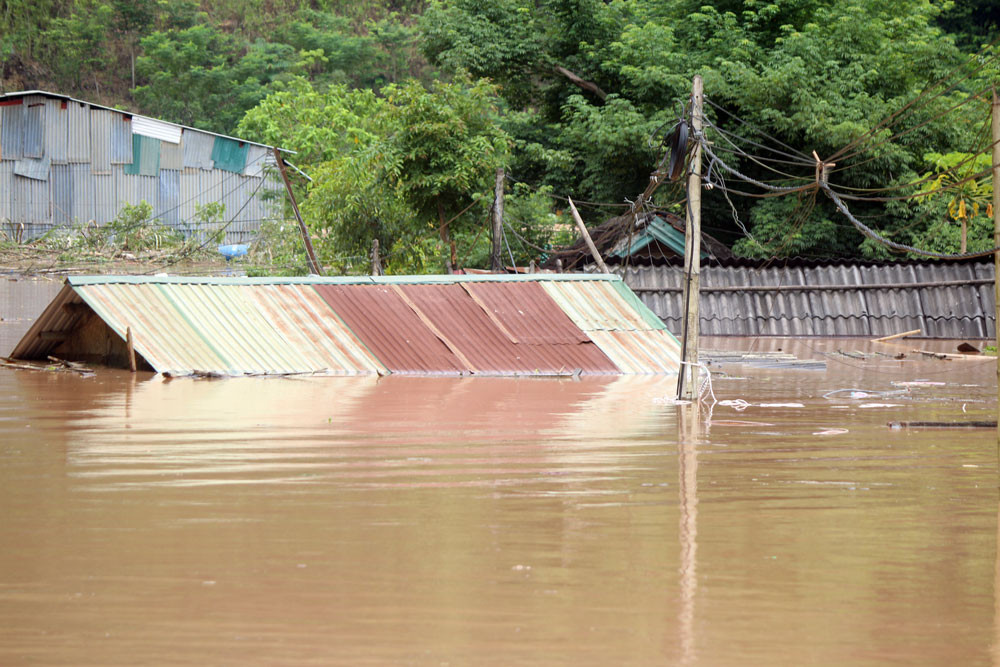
943, 300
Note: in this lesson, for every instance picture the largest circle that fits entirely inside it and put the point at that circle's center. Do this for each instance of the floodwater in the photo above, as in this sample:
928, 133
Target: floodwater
497, 521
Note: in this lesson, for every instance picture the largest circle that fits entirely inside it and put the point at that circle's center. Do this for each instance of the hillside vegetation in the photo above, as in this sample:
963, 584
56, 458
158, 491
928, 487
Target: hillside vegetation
402, 111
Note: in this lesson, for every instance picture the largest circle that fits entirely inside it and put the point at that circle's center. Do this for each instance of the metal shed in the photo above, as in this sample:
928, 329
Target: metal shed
66, 162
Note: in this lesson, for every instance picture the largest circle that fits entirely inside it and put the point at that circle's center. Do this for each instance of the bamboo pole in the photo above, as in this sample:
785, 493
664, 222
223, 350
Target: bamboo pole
586, 236
688, 376
904, 334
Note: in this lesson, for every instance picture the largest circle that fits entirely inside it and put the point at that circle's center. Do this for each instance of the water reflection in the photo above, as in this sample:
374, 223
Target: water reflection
687, 475
494, 521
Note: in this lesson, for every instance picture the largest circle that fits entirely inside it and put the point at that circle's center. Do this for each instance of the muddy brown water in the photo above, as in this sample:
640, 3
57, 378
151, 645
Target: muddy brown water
491, 521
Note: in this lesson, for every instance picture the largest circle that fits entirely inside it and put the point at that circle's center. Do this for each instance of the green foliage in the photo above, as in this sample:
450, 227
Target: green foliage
193, 78
133, 229
390, 168
77, 43
394, 157
814, 74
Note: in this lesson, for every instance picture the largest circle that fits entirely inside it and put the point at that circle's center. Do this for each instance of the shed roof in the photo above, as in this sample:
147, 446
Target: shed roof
150, 122
482, 324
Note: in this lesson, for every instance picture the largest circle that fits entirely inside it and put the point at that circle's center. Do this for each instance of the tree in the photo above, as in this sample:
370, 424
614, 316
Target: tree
400, 168
812, 74
192, 76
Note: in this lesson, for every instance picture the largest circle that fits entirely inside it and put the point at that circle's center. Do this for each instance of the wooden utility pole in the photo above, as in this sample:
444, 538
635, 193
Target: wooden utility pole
310, 254
496, 254
995, 124
586, 237
687, 379
376, 260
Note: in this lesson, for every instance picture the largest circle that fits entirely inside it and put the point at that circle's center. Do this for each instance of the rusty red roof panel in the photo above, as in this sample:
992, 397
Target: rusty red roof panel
381, 319
527, 312
488, 346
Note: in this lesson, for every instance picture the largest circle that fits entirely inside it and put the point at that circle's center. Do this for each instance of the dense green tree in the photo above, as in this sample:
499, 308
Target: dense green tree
584, 92
193, 76
402, 168
813, 74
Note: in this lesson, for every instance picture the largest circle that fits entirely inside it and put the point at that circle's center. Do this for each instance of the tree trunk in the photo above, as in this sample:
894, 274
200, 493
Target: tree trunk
965, 236
449, 260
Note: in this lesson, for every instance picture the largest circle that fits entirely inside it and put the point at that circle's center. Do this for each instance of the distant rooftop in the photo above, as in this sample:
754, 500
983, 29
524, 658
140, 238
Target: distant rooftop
59, 96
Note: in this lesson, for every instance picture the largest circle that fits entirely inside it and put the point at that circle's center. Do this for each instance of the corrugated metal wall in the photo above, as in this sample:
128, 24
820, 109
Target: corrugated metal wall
943, 300
12, 132
100, 140
64, 163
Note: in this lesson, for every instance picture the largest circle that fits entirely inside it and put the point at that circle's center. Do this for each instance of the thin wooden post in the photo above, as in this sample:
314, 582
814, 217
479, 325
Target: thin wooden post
496, 253
376, 260
688, 375
131, 349
310, 253
586, 236
995, 124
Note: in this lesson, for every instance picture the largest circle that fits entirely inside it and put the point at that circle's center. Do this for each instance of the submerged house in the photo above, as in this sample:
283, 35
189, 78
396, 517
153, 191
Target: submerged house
65, 162
540, 324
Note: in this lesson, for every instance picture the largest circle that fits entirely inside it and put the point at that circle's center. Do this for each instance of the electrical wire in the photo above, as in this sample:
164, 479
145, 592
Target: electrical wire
895, 117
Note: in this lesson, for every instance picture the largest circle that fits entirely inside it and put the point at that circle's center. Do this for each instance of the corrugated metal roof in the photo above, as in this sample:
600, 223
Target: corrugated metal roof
474, 337
157, 129
635, 340
307, 321
652, 351
185, 328
596, 306
382, 320
18, 95
942, 299
426, 325
526, 313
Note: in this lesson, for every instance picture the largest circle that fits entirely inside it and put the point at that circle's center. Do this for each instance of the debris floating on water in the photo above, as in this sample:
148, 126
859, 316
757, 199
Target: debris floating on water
961, 424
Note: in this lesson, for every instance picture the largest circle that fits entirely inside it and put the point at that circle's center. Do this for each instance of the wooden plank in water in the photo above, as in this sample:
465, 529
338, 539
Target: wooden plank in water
962, 424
